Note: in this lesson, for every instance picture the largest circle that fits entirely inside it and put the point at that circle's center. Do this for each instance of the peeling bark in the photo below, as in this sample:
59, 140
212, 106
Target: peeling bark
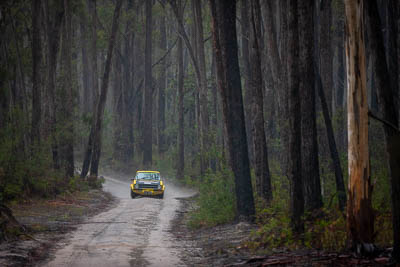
360, 217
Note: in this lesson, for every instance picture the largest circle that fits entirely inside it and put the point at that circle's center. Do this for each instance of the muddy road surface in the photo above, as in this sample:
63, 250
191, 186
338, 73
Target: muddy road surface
134, 233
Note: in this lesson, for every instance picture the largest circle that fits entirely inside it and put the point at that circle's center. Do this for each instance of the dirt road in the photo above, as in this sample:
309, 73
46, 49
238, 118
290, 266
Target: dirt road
134, 233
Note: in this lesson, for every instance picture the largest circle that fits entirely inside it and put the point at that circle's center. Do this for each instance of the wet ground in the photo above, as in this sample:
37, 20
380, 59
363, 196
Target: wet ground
137, 232
46, 223
225, 245
94, 229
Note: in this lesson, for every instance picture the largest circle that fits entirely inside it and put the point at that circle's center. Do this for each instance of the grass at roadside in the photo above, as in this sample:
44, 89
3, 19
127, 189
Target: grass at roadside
215, 201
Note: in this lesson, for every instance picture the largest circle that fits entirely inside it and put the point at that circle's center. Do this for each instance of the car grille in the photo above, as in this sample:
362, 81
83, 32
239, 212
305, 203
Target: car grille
148, 186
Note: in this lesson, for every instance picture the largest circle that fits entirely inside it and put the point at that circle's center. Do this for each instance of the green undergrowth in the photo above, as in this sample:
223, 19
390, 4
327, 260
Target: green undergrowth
24, 177
324, 229
26, 170
215, 201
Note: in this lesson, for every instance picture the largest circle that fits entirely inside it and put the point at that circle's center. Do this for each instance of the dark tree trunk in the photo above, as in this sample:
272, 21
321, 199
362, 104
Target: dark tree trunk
229, 84
67, 139
196, 95
294, 164
118, 106
325, 49
338, 99
128, 91
387, 87
341, 192
214, 121
103, 94
325, 60
203, 100
309, 156
263, 177
36, 72
95, 86
86, 73
21, 99
93, 55
397, 13
161, 88
245, 30
181, 126
148, 90
88, 153
53, 24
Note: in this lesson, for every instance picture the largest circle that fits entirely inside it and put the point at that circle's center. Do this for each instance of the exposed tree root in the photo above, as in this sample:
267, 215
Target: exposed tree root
10, 228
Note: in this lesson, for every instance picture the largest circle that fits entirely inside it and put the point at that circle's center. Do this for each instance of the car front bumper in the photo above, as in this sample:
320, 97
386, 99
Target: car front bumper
148, 191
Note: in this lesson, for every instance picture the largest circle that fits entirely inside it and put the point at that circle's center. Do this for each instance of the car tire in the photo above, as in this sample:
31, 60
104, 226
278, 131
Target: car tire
133, 195
161, 196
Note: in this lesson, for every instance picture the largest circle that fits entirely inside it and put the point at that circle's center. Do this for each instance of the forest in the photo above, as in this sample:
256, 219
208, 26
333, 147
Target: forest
281, 113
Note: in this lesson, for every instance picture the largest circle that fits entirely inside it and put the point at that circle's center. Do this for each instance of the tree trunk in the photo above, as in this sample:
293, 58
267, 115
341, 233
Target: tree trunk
86, 73
67, 139
36, 72
103, 94
324, 61
294, 164
95, 89
118, 106
21, 98
309, 156
332, 146
53, 24
245, 29
148, 90
198, 61
360, 218
161, 88
214, 122
325, 49
338, 104
229, 84
387, 87
277, 66
181, 126
93, 54
128, 91
261, 167
203, 100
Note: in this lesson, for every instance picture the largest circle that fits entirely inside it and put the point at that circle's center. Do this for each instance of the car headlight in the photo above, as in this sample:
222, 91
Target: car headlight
159, 187
136, 186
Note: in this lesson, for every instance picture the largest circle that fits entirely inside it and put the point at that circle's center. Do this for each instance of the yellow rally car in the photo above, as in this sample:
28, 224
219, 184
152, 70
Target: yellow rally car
147, 183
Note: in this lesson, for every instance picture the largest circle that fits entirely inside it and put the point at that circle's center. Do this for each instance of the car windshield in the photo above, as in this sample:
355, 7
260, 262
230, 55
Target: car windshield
148, 175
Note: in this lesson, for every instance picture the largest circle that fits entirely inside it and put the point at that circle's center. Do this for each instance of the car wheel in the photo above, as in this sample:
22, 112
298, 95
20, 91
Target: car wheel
133, 195
161, 196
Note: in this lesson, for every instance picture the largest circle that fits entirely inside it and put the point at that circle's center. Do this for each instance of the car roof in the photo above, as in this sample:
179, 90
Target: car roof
149, 171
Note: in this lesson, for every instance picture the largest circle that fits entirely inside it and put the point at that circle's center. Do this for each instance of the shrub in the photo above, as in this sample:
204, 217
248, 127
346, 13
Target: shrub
216, 200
